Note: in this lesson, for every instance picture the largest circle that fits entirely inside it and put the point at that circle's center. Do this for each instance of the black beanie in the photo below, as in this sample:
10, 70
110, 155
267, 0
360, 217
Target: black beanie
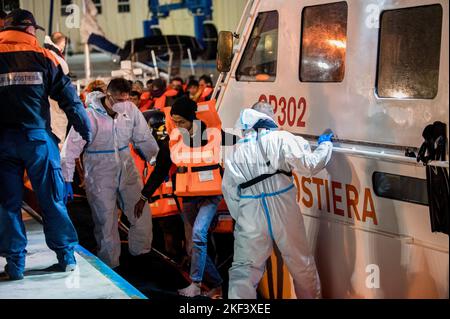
184, 107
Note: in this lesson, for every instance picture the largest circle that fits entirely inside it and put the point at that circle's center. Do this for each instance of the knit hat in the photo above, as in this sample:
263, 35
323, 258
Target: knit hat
184, 107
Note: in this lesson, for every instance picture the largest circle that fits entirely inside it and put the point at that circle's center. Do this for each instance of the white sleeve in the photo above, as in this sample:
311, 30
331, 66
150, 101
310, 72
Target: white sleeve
72, 148
62, 63
298, 155
143, 141
230, 189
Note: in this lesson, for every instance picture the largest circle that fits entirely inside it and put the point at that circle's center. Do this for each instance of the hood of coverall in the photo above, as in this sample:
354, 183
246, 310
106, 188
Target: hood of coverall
249, 118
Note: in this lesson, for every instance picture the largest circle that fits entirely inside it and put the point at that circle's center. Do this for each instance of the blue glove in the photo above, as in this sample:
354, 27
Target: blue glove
68, 192
325, 138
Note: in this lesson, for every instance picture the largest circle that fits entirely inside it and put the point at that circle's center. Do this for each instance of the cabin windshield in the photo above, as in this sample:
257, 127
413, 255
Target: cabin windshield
259, 61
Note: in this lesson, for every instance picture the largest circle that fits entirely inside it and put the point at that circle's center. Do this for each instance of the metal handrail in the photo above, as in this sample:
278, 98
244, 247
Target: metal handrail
352, 150
388, 157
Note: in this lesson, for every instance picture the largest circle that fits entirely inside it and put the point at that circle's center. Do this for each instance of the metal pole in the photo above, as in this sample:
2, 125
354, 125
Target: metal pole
50, 23
218, 85
155, 64
87, 62
191, 62
170, 64
78, 88
87, 54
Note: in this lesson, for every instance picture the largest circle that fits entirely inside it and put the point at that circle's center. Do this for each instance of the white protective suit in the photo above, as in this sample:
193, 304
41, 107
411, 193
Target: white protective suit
111, 177
268, 211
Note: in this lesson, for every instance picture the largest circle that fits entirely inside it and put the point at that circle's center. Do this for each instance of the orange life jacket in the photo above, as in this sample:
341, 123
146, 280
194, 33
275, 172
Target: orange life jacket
145, 105
146, 102
206, 92
161, 102
139, 162
206, 112
171, 92
145, 95
170, 125
224, 222
198, 169
162, 203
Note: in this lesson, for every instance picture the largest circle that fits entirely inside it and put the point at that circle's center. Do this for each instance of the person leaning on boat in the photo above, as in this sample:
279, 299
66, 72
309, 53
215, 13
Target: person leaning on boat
259, 191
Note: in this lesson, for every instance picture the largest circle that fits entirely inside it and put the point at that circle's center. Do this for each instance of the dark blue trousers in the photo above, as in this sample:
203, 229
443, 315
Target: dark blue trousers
35, 151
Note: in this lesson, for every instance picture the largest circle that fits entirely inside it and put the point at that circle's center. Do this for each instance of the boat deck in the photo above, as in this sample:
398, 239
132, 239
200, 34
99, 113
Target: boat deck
91, 280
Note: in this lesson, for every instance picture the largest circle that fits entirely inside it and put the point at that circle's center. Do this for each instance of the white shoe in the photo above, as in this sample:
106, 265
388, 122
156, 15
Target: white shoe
192, 290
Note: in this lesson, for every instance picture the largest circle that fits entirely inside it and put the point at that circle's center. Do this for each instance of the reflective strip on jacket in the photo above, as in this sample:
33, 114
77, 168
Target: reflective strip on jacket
29, 75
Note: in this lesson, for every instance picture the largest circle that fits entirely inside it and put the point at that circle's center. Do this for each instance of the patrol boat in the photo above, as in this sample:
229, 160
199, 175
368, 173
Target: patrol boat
376, 73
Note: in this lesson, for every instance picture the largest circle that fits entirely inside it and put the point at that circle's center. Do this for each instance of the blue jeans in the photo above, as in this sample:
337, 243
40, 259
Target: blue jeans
37, 152
198, 213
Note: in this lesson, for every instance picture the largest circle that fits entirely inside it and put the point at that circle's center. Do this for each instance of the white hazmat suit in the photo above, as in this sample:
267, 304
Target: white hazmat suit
111, 177
267, 211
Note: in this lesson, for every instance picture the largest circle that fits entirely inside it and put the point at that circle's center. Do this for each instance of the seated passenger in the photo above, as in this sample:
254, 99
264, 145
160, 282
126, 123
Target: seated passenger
206, 87
193, 90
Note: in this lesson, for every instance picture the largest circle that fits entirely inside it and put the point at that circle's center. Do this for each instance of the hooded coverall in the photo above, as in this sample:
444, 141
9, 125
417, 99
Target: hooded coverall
267, 211
111, 175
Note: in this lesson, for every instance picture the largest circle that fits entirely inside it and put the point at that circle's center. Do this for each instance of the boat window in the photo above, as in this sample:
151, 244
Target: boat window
398, 187
323, 43
259, 61
408, 60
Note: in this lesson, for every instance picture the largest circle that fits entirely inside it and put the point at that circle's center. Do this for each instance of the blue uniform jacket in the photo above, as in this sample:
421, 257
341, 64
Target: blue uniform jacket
29, 75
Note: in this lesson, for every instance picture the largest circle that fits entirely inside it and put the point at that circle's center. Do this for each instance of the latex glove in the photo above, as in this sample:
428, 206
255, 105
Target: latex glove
325, 138
68, 192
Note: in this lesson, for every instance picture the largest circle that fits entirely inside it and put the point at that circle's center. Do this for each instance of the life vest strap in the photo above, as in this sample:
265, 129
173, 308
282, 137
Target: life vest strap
155, 198
261, 178
196, 169
205, 168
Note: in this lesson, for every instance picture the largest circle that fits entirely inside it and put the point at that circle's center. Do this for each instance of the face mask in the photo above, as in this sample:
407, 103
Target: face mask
119, 107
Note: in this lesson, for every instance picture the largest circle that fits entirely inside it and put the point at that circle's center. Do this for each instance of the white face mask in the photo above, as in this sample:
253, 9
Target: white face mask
119, 107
